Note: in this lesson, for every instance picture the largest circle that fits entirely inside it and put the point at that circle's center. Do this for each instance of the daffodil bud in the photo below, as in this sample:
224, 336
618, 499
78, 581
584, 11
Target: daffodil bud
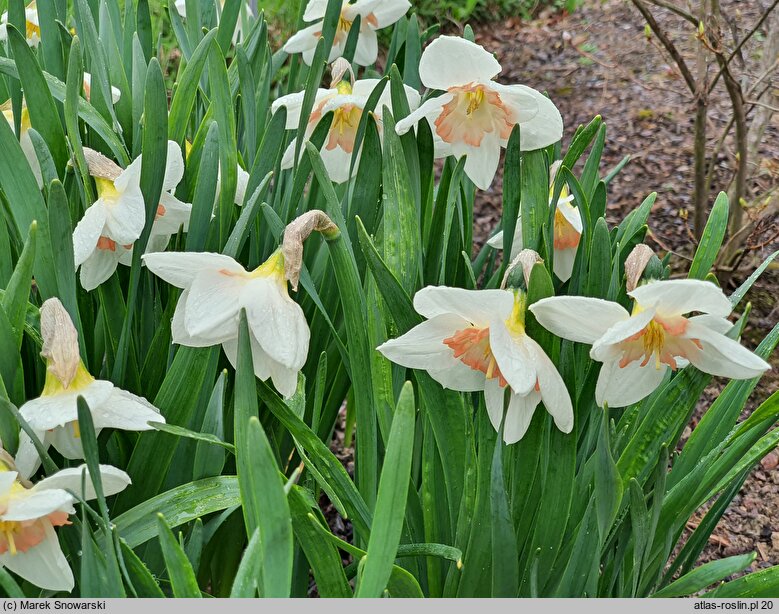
296, 233
518, 272
642, 264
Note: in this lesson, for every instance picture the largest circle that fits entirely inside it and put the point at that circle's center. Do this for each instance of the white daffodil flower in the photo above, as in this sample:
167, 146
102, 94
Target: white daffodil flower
374, 15
54, 415
105, 235
475, 115
216, 288
475, 340
32, 25
181, 7
347, 102
116, 93
29, 546
567, 231
24, 138
637, 349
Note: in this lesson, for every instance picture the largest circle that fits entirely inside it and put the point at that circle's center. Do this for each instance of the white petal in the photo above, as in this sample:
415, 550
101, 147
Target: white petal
304, 40
367, 49
179, 332
513, 357
721, 355
337, 163
124, 410
564, 260
240, 189
87, 232
27, 459
430, 109
571, 214
7, 479
277, 322
680, 296
519, 415
554, 394
494, 395
44, 565
459, 376
315, 9
288, 159
622, 386
388, 12
540, 122
180, 268
99, 267
423, 346
284, 379
213, 303
716, 323
578, 318
125, 220
481, 163
114, 480
176, 216
33, 504
450, 61
64, 440
174, 167
50, 411
496, 240
607, 346
479, 307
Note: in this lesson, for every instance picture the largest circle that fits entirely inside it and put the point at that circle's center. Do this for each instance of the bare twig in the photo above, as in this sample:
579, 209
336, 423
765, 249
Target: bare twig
743, 41
676, 10
668, 44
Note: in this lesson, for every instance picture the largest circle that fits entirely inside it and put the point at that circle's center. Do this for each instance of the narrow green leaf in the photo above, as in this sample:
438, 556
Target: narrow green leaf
182, 577
712, 237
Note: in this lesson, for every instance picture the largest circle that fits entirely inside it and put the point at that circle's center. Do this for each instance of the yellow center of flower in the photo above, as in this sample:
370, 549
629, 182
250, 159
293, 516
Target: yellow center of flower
473, 111
472, 347
343, 130
24, 124
344, 25
106, 189
662, 339
33, 30
516, 321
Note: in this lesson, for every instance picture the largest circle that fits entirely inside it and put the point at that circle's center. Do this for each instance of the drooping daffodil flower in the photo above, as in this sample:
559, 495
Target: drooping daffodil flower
475, 340
346, 100
29, 546
104, 237
53, 416
637, 349
475, 115
374, 15
24, 138
567, 231
216, 288
32, 25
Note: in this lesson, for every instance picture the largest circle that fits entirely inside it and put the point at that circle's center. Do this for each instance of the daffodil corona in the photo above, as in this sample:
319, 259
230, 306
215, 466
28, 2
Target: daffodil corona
475, 340
374, 15
54, 415
216, 288
28, 514
32, 28
475, 115
638, 348
24, 138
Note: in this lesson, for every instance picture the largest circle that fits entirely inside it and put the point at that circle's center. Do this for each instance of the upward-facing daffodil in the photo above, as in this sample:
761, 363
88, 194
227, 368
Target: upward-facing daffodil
28, 514
105, 235
475, 115
567, 231
637, 349
32, 25
216, 288
374, 15
24, 138
54, 415
346, 100
476, 340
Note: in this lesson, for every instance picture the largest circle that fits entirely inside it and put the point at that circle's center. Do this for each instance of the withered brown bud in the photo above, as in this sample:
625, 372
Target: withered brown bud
636, 263
295, 234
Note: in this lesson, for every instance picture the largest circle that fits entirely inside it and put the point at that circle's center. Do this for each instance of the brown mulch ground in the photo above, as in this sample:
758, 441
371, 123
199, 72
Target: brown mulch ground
598, 61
